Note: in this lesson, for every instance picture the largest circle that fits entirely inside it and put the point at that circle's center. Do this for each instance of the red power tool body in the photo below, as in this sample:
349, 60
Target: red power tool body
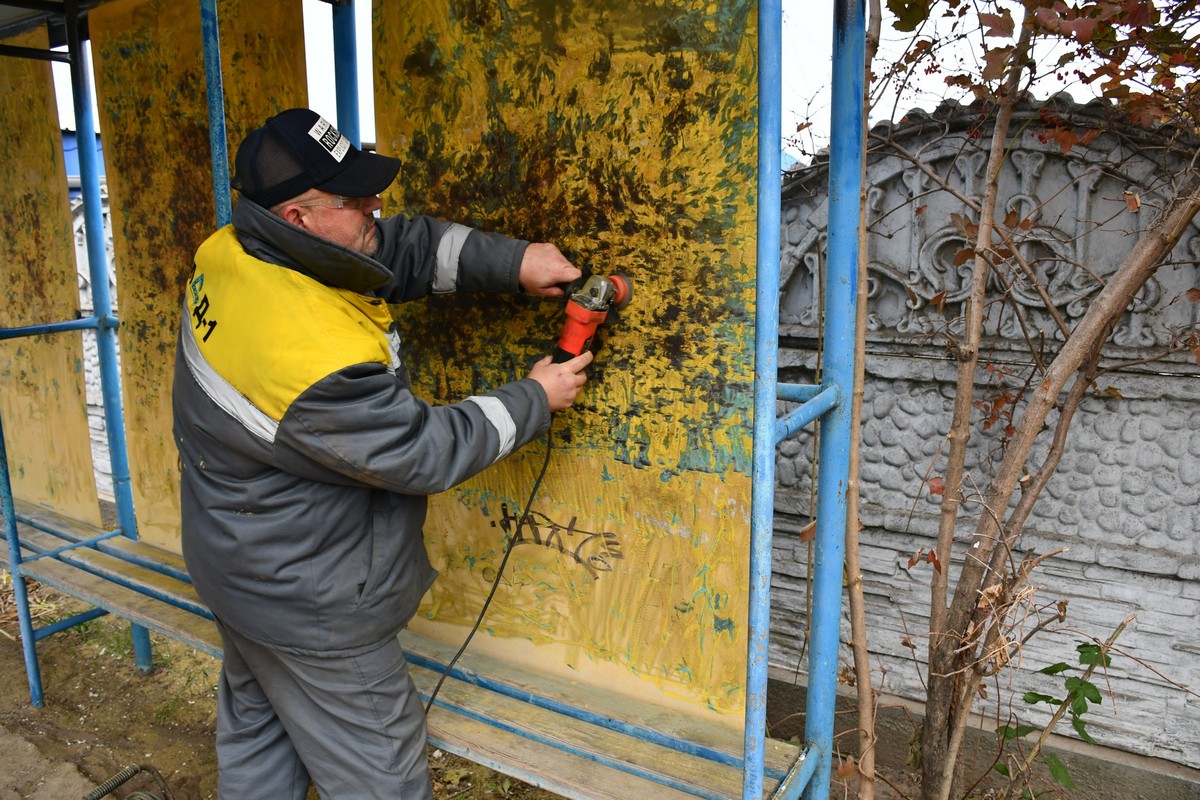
589, 308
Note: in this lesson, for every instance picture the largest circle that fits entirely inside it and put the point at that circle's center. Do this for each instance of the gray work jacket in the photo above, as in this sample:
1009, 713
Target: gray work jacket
305, 457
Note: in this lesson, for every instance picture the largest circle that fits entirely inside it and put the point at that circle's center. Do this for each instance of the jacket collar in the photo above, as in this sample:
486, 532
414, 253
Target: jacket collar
271, 238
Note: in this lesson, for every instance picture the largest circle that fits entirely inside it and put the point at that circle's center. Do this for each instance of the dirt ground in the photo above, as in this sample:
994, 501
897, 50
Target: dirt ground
102, 715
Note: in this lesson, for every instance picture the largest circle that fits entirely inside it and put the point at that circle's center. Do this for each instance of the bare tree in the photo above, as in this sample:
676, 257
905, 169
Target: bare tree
1139, 59
1142, 57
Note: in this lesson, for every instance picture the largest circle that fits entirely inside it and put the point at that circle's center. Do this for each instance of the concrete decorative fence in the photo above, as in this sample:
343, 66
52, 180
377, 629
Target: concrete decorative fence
1125, 501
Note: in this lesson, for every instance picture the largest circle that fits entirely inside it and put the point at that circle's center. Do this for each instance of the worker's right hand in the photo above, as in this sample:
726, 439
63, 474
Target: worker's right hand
562, 382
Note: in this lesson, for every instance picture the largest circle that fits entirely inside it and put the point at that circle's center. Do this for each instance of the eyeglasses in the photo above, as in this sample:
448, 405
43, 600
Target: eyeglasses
338, 201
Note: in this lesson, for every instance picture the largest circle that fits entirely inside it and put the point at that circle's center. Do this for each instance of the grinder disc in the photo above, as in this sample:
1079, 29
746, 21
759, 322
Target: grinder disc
622, 289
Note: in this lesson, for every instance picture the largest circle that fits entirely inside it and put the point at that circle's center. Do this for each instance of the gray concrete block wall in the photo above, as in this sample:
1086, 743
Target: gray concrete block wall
1125, 500
1120, 561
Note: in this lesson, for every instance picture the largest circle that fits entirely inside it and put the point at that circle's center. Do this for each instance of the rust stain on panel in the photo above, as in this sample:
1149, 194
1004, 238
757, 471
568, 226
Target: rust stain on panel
42, 393
154, 118
625, 133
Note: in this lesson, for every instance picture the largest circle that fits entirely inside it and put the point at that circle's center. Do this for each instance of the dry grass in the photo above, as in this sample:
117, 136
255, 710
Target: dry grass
45, 605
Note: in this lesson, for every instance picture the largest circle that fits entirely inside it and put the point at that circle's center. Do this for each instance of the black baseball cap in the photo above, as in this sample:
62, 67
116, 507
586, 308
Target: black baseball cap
297, 150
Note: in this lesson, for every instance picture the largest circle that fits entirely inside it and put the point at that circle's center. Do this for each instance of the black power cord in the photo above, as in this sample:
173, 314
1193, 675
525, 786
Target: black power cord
521, 519
122, 777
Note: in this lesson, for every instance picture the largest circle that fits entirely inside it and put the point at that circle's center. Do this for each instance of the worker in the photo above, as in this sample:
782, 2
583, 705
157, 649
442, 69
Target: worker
306, 459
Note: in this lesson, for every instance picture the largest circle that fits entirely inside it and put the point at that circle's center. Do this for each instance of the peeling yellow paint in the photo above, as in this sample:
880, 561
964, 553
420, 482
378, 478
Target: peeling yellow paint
42, 396
601, 574
150, 85
624, 133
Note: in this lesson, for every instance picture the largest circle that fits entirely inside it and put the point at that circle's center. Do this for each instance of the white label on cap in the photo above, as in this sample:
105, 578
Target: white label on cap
330, 138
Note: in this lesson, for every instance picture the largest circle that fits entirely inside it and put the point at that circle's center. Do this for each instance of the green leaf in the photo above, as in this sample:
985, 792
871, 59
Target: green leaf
1033, 698
1093, 654
1081, 728
1054, 669
1084, 689
1002, 769
1058, 771
909, 13
1008, 733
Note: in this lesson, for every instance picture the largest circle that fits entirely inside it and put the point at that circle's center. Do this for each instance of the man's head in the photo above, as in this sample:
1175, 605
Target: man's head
305, 170
297, 150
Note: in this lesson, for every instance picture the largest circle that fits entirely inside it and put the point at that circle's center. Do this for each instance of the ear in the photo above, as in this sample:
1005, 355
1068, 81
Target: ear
293, 214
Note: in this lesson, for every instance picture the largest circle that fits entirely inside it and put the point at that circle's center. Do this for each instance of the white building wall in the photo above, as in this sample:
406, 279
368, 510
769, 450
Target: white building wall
96, 423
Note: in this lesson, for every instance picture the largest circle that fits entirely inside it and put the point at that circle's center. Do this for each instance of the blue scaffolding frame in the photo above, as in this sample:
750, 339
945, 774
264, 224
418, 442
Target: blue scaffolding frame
827, 404
104, 322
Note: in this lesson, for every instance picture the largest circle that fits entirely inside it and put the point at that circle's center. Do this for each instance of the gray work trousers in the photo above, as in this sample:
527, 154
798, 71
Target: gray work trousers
354, 725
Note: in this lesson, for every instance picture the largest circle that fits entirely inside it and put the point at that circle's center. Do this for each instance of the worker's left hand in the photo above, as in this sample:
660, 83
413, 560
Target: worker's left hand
544, 270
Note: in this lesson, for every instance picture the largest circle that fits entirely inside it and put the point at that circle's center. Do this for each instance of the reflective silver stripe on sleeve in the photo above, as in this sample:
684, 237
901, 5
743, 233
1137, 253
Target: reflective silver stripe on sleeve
222, 392
449, 248
501, 420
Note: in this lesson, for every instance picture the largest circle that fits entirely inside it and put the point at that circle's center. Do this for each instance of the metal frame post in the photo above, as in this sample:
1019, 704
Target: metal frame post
828, 403
766, 340
345, 71
106, 327
33, 672
841, 283
218, 140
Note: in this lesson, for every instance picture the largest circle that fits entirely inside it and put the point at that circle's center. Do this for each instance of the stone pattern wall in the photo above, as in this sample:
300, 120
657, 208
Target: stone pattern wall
1124, 504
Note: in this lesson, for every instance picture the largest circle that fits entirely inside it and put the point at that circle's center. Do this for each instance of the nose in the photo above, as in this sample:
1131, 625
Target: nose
372, 205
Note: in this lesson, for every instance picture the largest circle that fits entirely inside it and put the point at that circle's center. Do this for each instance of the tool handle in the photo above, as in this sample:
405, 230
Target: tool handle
577, 332
561, 355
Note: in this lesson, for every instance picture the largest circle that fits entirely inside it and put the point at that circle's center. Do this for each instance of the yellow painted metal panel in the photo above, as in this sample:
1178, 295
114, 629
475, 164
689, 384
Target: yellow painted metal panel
150, 80
625, 133
42, 394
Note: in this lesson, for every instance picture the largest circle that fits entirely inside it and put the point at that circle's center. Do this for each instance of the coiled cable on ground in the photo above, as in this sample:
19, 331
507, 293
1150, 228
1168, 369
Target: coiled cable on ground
110, 785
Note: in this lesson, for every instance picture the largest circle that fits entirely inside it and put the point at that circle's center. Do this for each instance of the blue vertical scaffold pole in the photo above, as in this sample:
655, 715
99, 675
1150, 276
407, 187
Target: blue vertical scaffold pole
215, 93
829, 403
106, 321
345, 71
841, 283
33, 672
766, 345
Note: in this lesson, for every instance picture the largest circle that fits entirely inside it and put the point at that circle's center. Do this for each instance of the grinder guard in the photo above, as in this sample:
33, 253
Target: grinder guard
594, 303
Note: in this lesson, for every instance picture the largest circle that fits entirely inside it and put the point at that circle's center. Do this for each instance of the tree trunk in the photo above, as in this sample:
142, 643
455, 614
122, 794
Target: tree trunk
858, 614
939, 758
993, 540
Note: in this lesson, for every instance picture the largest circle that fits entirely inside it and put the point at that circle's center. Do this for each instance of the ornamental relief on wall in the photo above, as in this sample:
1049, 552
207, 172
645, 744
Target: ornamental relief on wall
1068, 226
